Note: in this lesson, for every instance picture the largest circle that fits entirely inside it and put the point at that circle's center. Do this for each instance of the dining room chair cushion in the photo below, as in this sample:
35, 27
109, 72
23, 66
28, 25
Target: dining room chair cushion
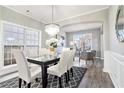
60, 68
54, 70
35, 70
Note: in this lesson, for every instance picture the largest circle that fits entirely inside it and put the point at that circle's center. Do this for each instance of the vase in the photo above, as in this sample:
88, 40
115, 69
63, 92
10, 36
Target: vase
52, 49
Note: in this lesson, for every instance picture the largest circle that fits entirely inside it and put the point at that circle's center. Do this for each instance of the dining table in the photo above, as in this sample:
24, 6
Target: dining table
44, 62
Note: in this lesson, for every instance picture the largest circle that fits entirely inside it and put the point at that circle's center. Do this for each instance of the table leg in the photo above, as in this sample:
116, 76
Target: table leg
79, 58
44, 76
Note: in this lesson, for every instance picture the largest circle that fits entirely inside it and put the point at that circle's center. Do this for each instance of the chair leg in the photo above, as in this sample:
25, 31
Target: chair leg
93, 60
66, 77
60, 83
24, 82
29, 85
20, 82
36, 79
86, 62
55, 77
72, 72
73, 59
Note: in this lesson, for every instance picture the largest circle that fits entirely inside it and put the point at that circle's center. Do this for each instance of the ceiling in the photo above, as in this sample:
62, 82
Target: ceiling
43, 13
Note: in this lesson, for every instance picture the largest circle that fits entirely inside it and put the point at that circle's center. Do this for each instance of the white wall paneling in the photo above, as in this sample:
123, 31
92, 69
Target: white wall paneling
115, 67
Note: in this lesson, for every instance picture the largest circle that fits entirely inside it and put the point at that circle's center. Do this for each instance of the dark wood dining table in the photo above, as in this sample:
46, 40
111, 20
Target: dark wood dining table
44, 63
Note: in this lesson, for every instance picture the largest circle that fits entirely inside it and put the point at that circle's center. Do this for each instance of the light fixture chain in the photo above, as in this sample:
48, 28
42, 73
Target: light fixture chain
52, 13
52, 29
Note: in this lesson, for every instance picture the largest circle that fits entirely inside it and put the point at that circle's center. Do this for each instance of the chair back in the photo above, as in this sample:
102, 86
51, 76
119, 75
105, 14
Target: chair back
93, 53
22, 65
64, 58
84, 55
88, 55
71, 58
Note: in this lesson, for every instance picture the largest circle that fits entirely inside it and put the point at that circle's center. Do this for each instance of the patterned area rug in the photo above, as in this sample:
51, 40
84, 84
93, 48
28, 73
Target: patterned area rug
53, 82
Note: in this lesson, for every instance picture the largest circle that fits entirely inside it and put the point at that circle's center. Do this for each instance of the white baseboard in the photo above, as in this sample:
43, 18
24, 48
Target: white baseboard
106, 61
114, 81
106, 70
7, 77
8, 69
100, 57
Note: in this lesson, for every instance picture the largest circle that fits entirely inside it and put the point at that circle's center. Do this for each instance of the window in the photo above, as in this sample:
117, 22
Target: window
32, 43
17, 37
86, 41
76, 40
83, 41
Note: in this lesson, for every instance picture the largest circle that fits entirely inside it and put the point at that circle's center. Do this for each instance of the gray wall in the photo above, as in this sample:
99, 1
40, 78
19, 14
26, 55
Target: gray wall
96, 39
0, 12
101, 17
115, 45
14, 17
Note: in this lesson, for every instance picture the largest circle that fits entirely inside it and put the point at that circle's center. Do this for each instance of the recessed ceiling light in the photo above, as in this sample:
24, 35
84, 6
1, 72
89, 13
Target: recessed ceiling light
27, 10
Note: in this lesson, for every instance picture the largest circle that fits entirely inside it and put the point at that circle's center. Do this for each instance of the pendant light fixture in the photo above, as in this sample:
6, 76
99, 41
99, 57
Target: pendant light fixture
52, 29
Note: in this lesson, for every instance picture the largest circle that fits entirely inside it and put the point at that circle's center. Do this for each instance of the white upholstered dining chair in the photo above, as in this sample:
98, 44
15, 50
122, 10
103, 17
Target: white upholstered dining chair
70, 62
60, 68
25, 73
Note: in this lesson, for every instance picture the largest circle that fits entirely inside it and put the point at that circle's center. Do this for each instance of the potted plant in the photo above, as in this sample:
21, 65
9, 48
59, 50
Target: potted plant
52, 44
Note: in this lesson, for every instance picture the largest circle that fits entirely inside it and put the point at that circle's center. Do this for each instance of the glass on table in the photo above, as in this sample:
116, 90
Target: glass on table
45, 57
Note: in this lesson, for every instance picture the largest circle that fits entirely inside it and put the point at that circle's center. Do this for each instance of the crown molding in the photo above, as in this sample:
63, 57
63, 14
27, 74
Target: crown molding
82, 14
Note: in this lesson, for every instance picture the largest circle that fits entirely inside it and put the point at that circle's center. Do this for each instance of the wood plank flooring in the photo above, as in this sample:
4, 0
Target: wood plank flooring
95, 77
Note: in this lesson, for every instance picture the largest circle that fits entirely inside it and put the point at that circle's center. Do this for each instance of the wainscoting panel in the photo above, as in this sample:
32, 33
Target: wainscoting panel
116, 69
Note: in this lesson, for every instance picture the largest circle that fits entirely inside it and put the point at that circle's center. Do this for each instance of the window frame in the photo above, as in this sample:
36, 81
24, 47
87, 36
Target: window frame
2, 22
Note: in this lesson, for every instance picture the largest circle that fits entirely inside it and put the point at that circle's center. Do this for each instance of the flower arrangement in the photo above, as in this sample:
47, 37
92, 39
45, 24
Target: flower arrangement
52, 43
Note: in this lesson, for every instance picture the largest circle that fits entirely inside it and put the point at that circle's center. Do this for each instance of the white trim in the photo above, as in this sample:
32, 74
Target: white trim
119, 57
105, 70
114, 81
82, 14
100, 57
115, 67
8, 69
7, 77
1, 45
106, 61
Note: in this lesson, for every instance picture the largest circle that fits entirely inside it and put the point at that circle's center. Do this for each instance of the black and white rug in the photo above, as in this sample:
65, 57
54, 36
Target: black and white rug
78, 73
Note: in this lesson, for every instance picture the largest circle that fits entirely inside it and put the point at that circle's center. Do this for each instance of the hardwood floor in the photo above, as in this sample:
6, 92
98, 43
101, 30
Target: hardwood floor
95, 77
